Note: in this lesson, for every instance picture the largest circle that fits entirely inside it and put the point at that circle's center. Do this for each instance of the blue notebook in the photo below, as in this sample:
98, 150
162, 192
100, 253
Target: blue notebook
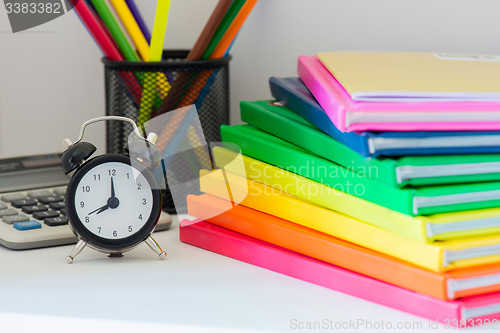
294, 94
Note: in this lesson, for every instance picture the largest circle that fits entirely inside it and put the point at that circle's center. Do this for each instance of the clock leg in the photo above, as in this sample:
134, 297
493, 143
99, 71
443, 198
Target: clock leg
155, 247
77, 249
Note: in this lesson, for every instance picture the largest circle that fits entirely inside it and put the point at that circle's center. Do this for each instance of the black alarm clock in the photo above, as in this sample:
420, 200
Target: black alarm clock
113, 201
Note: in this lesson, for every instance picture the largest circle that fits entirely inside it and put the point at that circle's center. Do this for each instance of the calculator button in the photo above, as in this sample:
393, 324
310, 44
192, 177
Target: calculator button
27, 225
10, 197
42, 215
3, 206
57, 205
34, 208
50, 198
38, 194
55, 221
23, 202
15, 218
60, 191
6, 212
63, 212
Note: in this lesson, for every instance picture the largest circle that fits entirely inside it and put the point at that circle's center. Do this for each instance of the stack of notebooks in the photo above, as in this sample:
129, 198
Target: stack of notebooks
373, 174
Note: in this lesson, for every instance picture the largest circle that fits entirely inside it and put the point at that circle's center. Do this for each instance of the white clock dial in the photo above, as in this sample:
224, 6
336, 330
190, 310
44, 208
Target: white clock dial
113, 200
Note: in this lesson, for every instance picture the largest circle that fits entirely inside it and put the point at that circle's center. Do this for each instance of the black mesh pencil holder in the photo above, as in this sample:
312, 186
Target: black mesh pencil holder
177, 83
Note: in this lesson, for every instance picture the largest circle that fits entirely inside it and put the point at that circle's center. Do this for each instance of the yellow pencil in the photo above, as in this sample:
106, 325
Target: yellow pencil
159, 29
132, 28
155, 54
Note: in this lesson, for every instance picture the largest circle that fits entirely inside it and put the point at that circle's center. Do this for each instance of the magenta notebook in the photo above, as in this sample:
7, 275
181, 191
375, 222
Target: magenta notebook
473, 310
349, 115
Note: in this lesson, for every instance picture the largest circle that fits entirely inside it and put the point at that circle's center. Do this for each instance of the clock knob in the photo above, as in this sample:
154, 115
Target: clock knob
152, 137
67, 143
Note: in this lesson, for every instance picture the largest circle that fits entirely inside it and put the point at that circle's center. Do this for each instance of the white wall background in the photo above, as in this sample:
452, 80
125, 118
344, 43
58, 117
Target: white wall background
51, 77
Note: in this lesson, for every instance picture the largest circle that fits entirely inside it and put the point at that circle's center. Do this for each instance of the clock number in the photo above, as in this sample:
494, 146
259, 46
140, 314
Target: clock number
99, 229
139, 186
86, 188
115, 233
112, 172
129, 228
140, 217
82, 204
97, 177
128, 175
144, 201
87, 219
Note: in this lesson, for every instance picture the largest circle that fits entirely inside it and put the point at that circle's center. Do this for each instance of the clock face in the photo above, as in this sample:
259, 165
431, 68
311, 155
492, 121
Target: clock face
112, 200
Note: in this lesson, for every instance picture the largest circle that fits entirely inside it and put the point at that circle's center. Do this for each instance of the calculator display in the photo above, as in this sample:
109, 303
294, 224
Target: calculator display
30, 172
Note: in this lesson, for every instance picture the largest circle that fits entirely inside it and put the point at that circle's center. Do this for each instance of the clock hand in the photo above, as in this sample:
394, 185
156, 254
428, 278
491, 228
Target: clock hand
113, 203
112, 188
100, 210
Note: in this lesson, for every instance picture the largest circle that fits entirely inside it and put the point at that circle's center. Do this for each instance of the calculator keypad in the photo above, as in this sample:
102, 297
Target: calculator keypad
39, 193
26, 212
22, 226
46, 214
55, 221
9, 211
34, 208
57, 205
50, 199
23, 202
15, 218
11, 197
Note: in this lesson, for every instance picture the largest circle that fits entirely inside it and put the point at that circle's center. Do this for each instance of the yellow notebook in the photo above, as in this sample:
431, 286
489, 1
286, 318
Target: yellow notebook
437, 257
405, 76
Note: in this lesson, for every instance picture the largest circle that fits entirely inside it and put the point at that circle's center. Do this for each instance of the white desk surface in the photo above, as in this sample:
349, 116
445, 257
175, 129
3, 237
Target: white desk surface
193, 290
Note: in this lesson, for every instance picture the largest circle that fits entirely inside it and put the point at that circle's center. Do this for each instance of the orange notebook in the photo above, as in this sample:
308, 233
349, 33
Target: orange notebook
451, 285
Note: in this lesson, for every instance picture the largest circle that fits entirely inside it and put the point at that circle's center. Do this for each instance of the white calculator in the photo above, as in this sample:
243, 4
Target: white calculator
32, 208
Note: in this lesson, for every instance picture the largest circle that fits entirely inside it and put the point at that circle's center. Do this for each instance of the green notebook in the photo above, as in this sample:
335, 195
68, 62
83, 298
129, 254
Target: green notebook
413, 201
398, 172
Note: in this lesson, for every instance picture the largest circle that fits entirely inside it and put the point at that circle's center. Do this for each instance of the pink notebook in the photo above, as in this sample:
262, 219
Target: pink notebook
473, 310
349, 115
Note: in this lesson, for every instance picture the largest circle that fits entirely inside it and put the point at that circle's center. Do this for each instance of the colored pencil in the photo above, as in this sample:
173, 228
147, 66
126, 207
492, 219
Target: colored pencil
155, 54
230, 34
95, 29
223, 26
132, 28
159, 30
101, 23
138, 18
209, 30
115, 30
122, 28
230, 46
